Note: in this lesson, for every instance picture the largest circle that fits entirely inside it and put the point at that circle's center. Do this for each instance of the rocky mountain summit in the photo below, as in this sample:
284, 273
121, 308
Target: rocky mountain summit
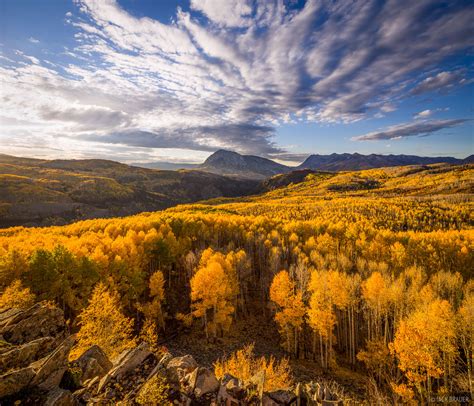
231, 163
35, 369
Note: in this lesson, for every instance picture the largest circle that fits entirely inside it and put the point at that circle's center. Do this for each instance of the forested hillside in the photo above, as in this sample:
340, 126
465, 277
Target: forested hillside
42, 192
351, 271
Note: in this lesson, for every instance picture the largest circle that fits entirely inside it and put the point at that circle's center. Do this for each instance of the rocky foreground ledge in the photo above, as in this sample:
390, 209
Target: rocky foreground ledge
34, 370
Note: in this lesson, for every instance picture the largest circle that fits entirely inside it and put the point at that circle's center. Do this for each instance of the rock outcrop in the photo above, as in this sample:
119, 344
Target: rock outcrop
128, 361
93, 362
23, 326
34, 369
34, 351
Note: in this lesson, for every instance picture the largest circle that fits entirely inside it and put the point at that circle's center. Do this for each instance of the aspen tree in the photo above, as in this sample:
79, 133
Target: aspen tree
291, 310
330, 291
425, 345
212, 297
153, 310
375, 291
465, 326
16, 296
103, 323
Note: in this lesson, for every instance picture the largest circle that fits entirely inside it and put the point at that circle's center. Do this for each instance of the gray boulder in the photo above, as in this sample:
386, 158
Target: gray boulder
50, 370
268, 401
161, 366
93, 362
230, 391
40, 320
7, 314
128, 361
202, 381
82, 395
179, 367
60, 397
332, 403
21, 356
282, 397
14, 381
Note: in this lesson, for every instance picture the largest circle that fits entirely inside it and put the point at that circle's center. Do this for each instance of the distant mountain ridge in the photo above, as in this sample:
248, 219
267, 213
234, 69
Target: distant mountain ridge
249, 166
166, 166
354, 162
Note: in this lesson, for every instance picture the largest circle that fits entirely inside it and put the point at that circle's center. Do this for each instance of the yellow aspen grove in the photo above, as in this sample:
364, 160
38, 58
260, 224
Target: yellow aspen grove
103, 323
212, 297
291, 309
238, 267
448, 286
375, 291
424, 346
352, 315
149, 334
339, 287
153, 310
465, 325
230, 263
322, 320
414, 279
378, 360
330, 291
370, 268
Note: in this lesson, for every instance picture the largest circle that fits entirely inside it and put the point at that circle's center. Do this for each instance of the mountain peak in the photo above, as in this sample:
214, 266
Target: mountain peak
246, 166
225, 152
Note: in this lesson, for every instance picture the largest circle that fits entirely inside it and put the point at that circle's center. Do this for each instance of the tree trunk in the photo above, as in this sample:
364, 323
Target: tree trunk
321, 350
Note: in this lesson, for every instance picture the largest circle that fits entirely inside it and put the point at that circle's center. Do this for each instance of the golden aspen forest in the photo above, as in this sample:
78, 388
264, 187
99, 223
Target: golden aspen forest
236, 203
361, 276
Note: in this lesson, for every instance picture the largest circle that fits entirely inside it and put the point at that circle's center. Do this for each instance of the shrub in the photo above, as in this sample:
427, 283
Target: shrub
244, 364
154, 392
16, 296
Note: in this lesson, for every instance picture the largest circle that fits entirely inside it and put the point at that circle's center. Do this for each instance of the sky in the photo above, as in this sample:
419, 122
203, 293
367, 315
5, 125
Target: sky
146, 81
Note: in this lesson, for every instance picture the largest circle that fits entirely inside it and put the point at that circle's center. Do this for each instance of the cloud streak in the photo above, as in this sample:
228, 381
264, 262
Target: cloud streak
419, 128
440, 81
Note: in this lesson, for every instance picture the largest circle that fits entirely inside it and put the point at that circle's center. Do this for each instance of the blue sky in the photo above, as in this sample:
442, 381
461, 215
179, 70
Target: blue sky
144, 80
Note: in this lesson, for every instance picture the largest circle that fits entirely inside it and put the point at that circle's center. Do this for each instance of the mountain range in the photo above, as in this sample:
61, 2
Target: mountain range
230, 163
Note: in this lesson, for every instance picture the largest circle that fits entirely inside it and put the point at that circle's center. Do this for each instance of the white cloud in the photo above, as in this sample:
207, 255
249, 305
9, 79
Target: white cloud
417, 128
424, 114
429, 112
440, 81
33, 40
